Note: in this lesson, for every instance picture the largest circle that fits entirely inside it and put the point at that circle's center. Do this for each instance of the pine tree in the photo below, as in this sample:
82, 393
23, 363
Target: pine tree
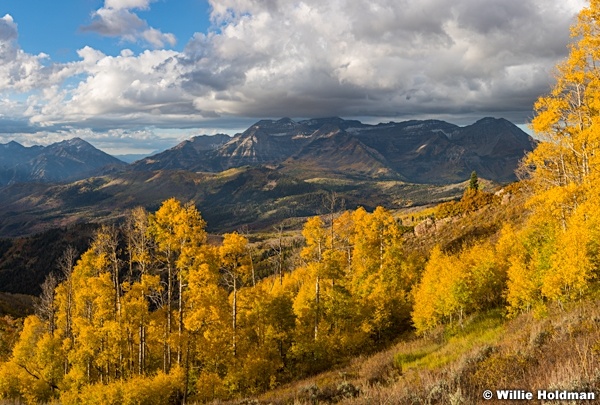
474, 181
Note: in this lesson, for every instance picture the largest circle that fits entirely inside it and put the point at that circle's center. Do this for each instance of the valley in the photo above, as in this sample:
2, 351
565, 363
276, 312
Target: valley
271, 171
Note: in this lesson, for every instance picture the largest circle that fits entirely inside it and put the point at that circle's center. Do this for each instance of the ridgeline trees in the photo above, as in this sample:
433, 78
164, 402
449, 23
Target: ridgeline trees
555, 258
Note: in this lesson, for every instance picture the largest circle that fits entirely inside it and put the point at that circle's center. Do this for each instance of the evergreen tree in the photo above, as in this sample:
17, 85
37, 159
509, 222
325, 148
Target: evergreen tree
474, 181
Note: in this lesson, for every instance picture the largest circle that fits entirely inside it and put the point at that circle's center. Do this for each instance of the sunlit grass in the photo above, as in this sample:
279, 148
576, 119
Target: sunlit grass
484, 329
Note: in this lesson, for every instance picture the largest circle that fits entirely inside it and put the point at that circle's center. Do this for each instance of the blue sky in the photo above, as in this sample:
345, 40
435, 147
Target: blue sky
55, 28
142, 75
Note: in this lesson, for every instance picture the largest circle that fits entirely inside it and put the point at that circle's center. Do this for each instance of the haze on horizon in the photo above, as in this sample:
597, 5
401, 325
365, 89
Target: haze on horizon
140, 75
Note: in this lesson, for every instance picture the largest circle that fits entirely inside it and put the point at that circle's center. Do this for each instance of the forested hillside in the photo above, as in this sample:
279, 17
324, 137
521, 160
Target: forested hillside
466, 296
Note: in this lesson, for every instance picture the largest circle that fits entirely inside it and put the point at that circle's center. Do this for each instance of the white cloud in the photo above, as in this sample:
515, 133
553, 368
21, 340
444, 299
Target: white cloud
115, 19
127, 4
131, 90
273, 58
18, 70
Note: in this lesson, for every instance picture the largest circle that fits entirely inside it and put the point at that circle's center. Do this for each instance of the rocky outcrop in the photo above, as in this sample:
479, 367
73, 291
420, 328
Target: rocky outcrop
430, 226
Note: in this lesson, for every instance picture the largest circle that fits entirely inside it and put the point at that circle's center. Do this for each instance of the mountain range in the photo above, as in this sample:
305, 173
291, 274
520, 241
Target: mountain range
276, 169
425, 152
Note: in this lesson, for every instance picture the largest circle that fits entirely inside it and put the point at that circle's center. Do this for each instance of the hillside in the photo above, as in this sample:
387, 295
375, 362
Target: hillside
254, 196
26, 262
456, 365
366, 356
271, 171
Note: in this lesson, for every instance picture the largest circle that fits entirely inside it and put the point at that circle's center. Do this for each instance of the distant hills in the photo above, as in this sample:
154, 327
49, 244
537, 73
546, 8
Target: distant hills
275, 169
426, 152
69, 160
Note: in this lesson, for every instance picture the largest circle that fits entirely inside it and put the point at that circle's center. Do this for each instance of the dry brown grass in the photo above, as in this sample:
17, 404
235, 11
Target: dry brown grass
559, 352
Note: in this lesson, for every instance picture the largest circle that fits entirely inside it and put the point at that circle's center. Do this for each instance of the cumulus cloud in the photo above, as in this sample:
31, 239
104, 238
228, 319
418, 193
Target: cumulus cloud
397, 59
18, 70
384, 57
116, 19
125, 91
23, 72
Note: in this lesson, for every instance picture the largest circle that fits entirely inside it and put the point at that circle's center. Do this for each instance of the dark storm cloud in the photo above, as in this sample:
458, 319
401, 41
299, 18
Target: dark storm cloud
378, 57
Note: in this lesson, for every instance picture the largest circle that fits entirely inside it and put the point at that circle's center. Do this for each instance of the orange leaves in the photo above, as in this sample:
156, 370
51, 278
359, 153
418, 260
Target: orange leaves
178, 232
554, 258
315, 236
442, 293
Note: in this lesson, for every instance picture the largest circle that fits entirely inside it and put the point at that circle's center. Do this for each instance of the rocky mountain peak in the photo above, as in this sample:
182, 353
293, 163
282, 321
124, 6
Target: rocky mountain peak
66, 160
430, 151
12, 145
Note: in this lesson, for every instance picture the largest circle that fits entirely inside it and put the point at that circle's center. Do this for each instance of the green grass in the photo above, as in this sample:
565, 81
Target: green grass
456, 341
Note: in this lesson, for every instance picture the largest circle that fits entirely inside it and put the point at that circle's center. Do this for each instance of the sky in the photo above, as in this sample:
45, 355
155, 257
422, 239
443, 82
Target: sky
135, 76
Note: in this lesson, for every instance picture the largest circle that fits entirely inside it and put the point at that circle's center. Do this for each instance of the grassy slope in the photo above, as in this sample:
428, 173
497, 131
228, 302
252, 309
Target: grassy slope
455, 365
256, 196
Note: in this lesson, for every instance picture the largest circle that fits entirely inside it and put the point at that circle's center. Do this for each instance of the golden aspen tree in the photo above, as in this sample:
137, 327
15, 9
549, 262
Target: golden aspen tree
162, 229
380, 279
567, 119
485, 278
571, 268
344, 235
207, 321
315, 237
440, 296
280, 322
64, 301
530, 260
190, 232
139, 242
266, 322
377, 231
136, 318
236, 267
105, 245
554, 259
34, 371
96, 342
328, 302
204, 299
178, 232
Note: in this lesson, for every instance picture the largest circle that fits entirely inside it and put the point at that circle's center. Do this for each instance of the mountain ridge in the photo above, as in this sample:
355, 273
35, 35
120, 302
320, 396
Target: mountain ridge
67, 160
415, 151
425, 152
